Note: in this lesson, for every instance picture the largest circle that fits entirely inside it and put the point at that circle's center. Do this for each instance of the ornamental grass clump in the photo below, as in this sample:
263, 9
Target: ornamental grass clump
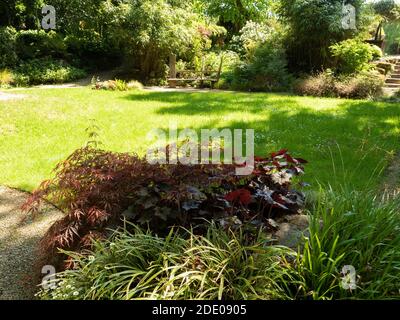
138, 265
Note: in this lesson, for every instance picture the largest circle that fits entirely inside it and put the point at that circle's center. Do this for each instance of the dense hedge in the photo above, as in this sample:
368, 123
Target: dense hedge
42, 71
8, 56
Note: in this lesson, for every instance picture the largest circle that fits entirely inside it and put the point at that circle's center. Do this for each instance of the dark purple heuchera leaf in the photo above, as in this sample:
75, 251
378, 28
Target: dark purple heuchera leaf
241, 196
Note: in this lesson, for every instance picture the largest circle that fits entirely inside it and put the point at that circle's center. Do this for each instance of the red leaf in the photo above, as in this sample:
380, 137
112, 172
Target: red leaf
279, 153
260, 159
300, 160
242, 196
289, 158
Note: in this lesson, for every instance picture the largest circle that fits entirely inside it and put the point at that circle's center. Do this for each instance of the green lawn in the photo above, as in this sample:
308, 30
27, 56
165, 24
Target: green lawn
344, 140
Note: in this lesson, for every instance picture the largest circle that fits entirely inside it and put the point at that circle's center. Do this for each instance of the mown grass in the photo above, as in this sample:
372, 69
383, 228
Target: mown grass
344, 140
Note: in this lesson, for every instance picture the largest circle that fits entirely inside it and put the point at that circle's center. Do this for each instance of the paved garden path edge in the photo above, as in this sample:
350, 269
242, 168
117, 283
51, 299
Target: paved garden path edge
18, 244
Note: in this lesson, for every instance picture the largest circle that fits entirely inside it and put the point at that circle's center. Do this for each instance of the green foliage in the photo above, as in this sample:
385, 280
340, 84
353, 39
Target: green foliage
89, 49
212, 61
157, 29
264, 65
251, 36
8, 57
121, 85
265, 71
353, 228
234, 14
362, 86
377, 52
33, 44
20, 13
392, 31
39, 71
354, 56
388, 9
138, 265
314, 25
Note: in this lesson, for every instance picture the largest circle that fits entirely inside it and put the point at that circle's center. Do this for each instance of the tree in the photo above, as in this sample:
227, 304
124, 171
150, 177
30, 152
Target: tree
158, 28
21, 14
233, 14
388, 9
314, 25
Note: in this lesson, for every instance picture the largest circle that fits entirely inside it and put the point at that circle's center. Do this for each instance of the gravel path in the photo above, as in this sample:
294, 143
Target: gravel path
9, 96
18, 242
391, 181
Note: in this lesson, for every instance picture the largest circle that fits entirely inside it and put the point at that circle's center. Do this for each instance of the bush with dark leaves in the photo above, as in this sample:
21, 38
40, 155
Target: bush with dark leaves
97, 189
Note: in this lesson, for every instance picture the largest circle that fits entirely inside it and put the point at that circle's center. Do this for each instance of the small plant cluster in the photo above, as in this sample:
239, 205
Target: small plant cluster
354, 55
116, 85
96, 189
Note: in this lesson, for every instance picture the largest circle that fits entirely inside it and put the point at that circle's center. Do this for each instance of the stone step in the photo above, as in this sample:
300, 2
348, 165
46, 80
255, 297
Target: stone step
392, 85
395, 75
393, 80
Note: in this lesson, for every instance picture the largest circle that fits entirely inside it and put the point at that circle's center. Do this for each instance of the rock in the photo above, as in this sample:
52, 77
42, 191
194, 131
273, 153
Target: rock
292, 229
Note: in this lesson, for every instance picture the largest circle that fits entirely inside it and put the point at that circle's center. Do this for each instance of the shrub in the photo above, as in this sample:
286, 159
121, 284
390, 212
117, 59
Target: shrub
354, 55
134, 85
40, 71
377, 52
320, 85
360, 86
138, 265
96, 189
265, 71
91, 50
6, 78
250, 37
363, 85
113, 85
8, 57
33, 44
121, 85
212, 61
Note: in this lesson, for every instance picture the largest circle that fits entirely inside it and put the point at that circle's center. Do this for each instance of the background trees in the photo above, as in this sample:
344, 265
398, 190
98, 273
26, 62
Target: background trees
234, 14
157, 28
313, 26
270, 38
